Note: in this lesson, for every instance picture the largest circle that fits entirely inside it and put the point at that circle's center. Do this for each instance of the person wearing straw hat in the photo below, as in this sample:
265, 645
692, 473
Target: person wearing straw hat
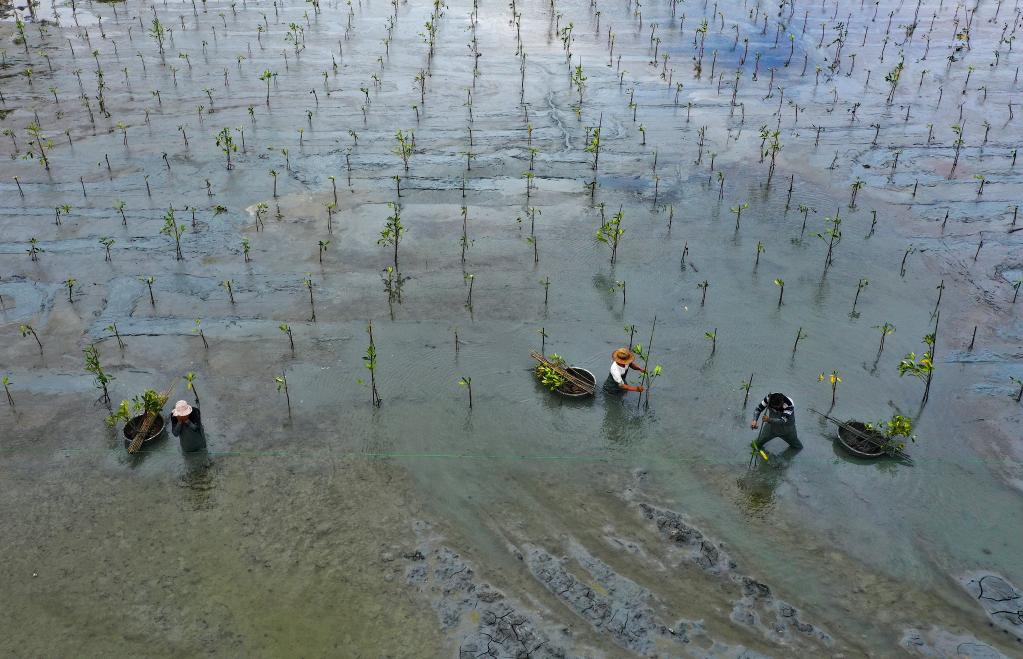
622, 360
186, 425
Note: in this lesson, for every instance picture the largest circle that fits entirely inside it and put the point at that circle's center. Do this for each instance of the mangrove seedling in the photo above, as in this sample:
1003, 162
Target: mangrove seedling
100, 377
885, 328
713, 338
863, 283
856, 186
34, 249
117, 335
229, 285
282, 385
1015, 289
266, 76
107, 243
323, 244
189, 379
833, 380
369, 360
174, 230
780, 283
404, 147
6, 381
246, 246
469, 280
760, 250
919, 367
546, 283
905, 255
466, 382
198, 330
308, 282
28, 330
745, 386
70, 282
226, 144
800, 335
393, 230
610, 232
738, 212
832, 236
286, 328
148, 281
704, 285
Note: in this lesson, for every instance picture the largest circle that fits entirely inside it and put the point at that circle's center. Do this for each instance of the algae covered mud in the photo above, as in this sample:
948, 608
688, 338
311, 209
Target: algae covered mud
803, 195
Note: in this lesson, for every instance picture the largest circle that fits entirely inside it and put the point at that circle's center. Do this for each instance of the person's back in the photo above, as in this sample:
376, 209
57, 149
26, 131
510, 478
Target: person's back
779, 420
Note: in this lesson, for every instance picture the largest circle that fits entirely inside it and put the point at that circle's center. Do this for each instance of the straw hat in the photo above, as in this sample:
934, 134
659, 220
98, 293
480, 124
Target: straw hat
623, 356
182, 408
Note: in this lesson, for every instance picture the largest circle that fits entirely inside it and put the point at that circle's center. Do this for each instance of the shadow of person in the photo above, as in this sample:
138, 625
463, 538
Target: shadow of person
198, 478
756, 488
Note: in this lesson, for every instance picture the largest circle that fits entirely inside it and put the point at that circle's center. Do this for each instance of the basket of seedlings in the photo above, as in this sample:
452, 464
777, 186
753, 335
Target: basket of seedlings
142, 418
873, 440
569, 381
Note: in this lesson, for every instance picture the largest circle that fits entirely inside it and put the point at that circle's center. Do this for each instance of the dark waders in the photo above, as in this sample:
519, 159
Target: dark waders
611, 387
781, 428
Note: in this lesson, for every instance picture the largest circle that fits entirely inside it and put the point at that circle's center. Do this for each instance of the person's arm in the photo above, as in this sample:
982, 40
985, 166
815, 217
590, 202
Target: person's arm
637, 367
756, 413
617, 377
175, 426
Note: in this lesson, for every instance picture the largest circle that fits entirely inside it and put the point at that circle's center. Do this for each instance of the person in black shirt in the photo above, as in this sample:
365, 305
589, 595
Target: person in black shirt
779, 421
186, 425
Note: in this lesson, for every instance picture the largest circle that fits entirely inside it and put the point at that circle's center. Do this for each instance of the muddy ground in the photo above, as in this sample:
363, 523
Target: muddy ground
526, 525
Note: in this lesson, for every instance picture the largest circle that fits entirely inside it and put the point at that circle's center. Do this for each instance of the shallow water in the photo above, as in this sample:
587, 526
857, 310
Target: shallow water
294, 537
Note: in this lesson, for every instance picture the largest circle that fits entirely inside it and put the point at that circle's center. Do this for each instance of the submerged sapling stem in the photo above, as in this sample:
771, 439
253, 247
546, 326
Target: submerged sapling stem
704, 285
282, 385
800, 334
466, 382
